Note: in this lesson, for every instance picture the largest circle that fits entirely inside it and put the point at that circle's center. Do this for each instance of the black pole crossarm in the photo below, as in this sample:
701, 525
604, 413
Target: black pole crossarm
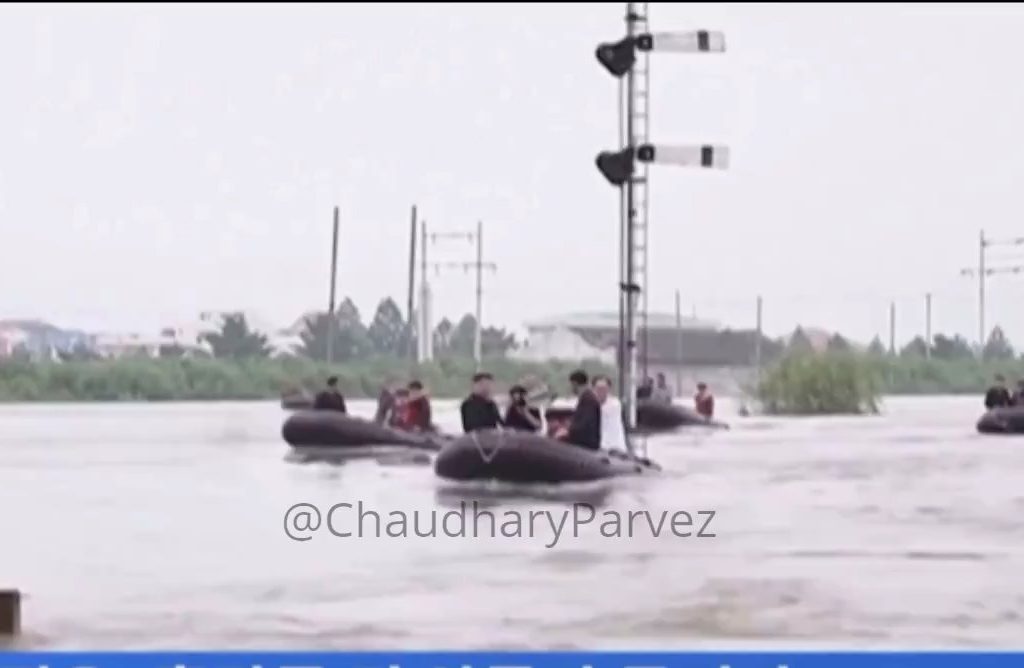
993, 270
464, 265
1016, 241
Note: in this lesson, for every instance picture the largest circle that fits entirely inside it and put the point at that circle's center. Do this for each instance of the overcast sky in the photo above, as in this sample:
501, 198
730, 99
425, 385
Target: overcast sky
160, 160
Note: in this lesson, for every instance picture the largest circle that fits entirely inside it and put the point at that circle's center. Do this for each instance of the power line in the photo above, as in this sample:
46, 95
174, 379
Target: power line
983, 271
478, 265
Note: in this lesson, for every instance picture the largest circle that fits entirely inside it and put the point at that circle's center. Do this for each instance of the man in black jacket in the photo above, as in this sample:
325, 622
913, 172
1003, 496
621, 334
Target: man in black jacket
585, 428
520, 414
997, 395
479, 410
330, 399
386, 403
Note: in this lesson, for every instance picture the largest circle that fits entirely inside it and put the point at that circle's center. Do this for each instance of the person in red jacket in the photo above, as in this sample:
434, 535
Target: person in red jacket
704, 401
417, 414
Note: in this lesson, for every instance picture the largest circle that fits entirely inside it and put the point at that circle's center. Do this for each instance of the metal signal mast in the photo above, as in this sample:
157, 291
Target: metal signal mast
628, 61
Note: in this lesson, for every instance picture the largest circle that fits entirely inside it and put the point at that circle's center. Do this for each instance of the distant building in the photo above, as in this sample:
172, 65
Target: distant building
11, 338
595, 335
282, 341
818, 338
41, 340
116, 346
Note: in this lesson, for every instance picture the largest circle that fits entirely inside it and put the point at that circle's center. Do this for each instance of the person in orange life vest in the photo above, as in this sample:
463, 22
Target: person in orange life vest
417, 411
704, 401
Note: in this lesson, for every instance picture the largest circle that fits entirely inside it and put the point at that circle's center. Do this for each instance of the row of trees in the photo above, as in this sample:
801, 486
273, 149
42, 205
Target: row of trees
202, 379
845, 379
388, 335
943, 347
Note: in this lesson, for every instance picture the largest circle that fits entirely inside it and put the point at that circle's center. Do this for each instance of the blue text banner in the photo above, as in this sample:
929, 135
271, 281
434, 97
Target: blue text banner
271, 659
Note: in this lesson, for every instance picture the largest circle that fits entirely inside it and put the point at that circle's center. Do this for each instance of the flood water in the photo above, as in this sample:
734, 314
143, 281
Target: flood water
162, 526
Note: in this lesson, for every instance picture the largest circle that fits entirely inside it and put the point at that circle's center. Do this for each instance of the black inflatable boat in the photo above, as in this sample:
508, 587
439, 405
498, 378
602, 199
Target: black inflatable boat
651, 417
520, 457
333, 430
1008, 420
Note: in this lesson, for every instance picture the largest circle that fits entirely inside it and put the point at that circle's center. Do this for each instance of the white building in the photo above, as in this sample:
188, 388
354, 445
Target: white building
595, 335
113, 346
191, 337
10, 339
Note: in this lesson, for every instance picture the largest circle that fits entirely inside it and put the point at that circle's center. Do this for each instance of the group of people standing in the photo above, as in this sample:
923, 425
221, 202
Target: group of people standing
1000, 396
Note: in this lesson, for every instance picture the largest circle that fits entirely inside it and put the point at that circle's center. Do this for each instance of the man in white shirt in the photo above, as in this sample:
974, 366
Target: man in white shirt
613, 433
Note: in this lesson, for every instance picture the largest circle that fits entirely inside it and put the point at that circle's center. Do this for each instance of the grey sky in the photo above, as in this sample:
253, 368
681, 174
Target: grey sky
160, 160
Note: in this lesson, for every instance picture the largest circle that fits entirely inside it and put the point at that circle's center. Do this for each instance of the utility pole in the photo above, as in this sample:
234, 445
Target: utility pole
425, 338
892, 328
679, 346
984, 271
477, 346
478, 265
757, 343
330, 301
620, 169
410, 328
928, 326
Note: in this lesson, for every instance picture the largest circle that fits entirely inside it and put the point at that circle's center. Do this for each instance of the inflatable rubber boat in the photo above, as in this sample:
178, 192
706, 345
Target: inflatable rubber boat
651, 416
330, 430
1008, 420
522, 457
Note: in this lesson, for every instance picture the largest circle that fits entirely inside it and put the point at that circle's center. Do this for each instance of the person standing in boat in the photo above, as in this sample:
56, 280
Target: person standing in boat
386, 403
998, 396
661, 393
478, 410
585, 427
330, 398
520, 415
613, 432
704, 401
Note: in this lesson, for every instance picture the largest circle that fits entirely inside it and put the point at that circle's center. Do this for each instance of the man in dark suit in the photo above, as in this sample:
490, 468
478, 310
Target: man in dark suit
585, 428
330, 399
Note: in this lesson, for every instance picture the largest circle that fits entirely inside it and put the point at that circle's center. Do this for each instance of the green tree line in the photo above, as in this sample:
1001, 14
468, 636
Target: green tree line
845, 380
387, 335
205, 379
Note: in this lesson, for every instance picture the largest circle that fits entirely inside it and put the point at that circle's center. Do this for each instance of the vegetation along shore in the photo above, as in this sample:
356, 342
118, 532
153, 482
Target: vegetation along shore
797, 378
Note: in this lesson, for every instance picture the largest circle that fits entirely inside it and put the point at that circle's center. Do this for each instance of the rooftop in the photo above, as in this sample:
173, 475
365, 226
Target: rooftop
610, 319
